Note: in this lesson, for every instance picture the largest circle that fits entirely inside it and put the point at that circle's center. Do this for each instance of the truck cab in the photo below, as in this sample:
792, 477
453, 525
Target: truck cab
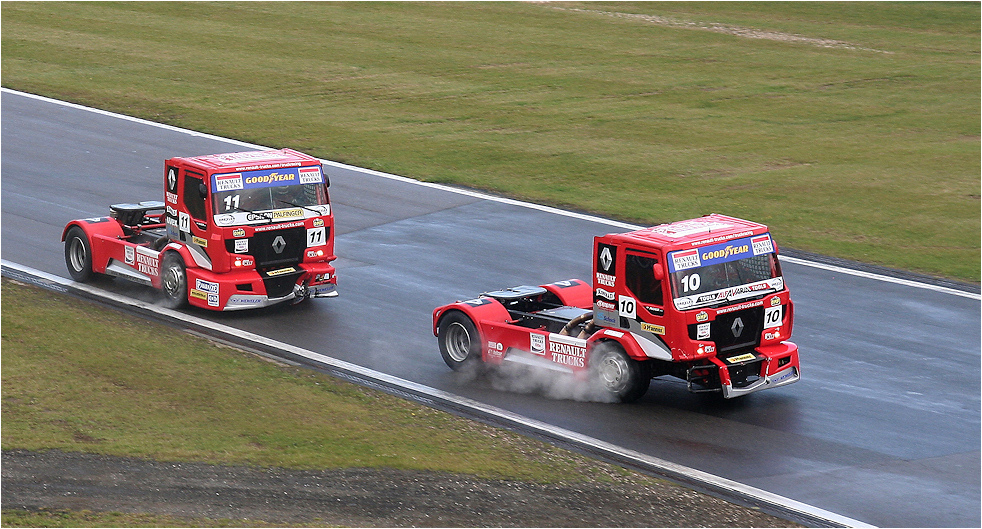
705, 298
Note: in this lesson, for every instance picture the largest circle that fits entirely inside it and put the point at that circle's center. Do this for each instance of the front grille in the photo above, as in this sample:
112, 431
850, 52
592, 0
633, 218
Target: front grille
263, 246
730, 335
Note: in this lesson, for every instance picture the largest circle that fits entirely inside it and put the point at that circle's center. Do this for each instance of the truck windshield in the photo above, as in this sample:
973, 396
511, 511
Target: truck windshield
725, 273
267, 196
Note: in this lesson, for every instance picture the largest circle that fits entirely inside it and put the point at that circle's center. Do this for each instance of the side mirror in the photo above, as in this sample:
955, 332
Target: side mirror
203, 191
327, 179
658, 271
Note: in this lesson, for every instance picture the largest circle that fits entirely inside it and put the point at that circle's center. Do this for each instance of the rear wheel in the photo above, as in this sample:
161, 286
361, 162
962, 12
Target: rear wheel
174, 281
78, 255
460, 343
619, 376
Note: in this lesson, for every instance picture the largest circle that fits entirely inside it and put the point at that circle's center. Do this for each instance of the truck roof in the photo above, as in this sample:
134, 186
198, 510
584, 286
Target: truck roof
248, 160
695, 232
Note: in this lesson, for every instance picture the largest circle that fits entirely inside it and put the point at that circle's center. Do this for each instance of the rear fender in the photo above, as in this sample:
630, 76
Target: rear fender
478, 310
103, 234
572, 292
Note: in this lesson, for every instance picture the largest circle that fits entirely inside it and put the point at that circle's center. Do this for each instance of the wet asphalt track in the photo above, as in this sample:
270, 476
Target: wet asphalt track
884, 426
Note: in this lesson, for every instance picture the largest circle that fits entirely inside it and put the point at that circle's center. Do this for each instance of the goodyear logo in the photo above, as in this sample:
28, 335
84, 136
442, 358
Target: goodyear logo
725, 252
271, 178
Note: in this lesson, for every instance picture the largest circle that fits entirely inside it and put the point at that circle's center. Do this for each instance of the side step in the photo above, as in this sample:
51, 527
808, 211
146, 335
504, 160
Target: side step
118, 269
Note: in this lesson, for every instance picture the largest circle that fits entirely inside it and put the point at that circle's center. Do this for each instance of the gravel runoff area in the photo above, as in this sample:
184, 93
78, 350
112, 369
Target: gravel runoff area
56, 480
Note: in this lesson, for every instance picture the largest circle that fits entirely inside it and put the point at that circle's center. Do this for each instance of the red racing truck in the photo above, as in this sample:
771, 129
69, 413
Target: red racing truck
235, 231
703, 300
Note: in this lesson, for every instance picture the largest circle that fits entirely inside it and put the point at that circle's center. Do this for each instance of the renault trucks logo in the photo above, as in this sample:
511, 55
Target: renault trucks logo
172, 179
279, 244
737, 327
606, 259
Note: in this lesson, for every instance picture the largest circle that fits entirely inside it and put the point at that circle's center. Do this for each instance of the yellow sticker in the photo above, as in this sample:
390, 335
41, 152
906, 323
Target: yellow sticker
741, 358
657, 329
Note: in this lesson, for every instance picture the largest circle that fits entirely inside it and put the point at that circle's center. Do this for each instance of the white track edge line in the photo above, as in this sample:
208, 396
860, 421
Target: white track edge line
627, 454
484, 196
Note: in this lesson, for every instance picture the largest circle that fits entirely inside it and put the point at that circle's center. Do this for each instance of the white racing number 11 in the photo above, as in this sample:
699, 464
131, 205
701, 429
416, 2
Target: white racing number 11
316, 236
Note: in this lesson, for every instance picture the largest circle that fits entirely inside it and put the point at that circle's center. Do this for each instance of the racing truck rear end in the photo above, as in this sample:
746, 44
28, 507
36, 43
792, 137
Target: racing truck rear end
235, 231
703, 300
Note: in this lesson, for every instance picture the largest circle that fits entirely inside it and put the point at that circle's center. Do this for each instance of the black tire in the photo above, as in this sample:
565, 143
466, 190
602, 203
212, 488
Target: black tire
460, 343
617, 375
174, 281
78, 255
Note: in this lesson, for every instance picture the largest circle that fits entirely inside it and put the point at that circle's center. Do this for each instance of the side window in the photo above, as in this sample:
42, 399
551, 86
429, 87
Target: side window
192, 196
640, 279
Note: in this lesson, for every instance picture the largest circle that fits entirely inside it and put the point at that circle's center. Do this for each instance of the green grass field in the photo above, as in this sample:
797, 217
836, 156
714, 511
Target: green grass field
157, 393
851, 128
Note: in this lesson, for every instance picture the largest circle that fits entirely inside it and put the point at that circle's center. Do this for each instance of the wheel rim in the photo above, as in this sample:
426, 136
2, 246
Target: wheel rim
173, 282
76, 254
458, 342
613, 372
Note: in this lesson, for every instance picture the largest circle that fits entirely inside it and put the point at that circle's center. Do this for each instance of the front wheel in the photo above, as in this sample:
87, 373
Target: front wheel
617, 375
174, 281
78, 255
460, 343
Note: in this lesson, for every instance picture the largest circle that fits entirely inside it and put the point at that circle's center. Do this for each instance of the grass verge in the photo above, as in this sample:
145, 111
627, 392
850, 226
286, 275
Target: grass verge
65, 518
80, 377
852, 129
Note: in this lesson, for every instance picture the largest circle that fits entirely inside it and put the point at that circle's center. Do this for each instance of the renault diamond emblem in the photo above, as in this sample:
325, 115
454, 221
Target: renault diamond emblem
279, 244
172, 179
737, 327
606, 259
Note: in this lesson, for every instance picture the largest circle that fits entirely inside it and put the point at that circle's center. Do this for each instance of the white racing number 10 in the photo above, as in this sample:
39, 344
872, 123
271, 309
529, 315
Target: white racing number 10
773, 316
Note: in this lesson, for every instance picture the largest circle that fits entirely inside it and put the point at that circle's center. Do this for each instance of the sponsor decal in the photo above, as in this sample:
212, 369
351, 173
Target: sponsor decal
567, 351
605, 280
790, 373
171, 197
129, 255
238, 232
702, 316
318, 222
242, 246
281, 271
310, 175
197, 294
275, 215
762, 244
537, 344
603, 305
206, 286
648, 327
246, 300
702, 331
734, 308
496, 349
775, 301
615, 334
212, 300
228, 182
601, 293
741, 358
706, 349
605, 317
148, 263
278, 226
199, 241
730, 294
684, 259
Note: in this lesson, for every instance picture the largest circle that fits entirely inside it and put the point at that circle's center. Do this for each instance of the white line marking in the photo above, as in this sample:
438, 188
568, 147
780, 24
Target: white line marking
533, 424
475, 194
